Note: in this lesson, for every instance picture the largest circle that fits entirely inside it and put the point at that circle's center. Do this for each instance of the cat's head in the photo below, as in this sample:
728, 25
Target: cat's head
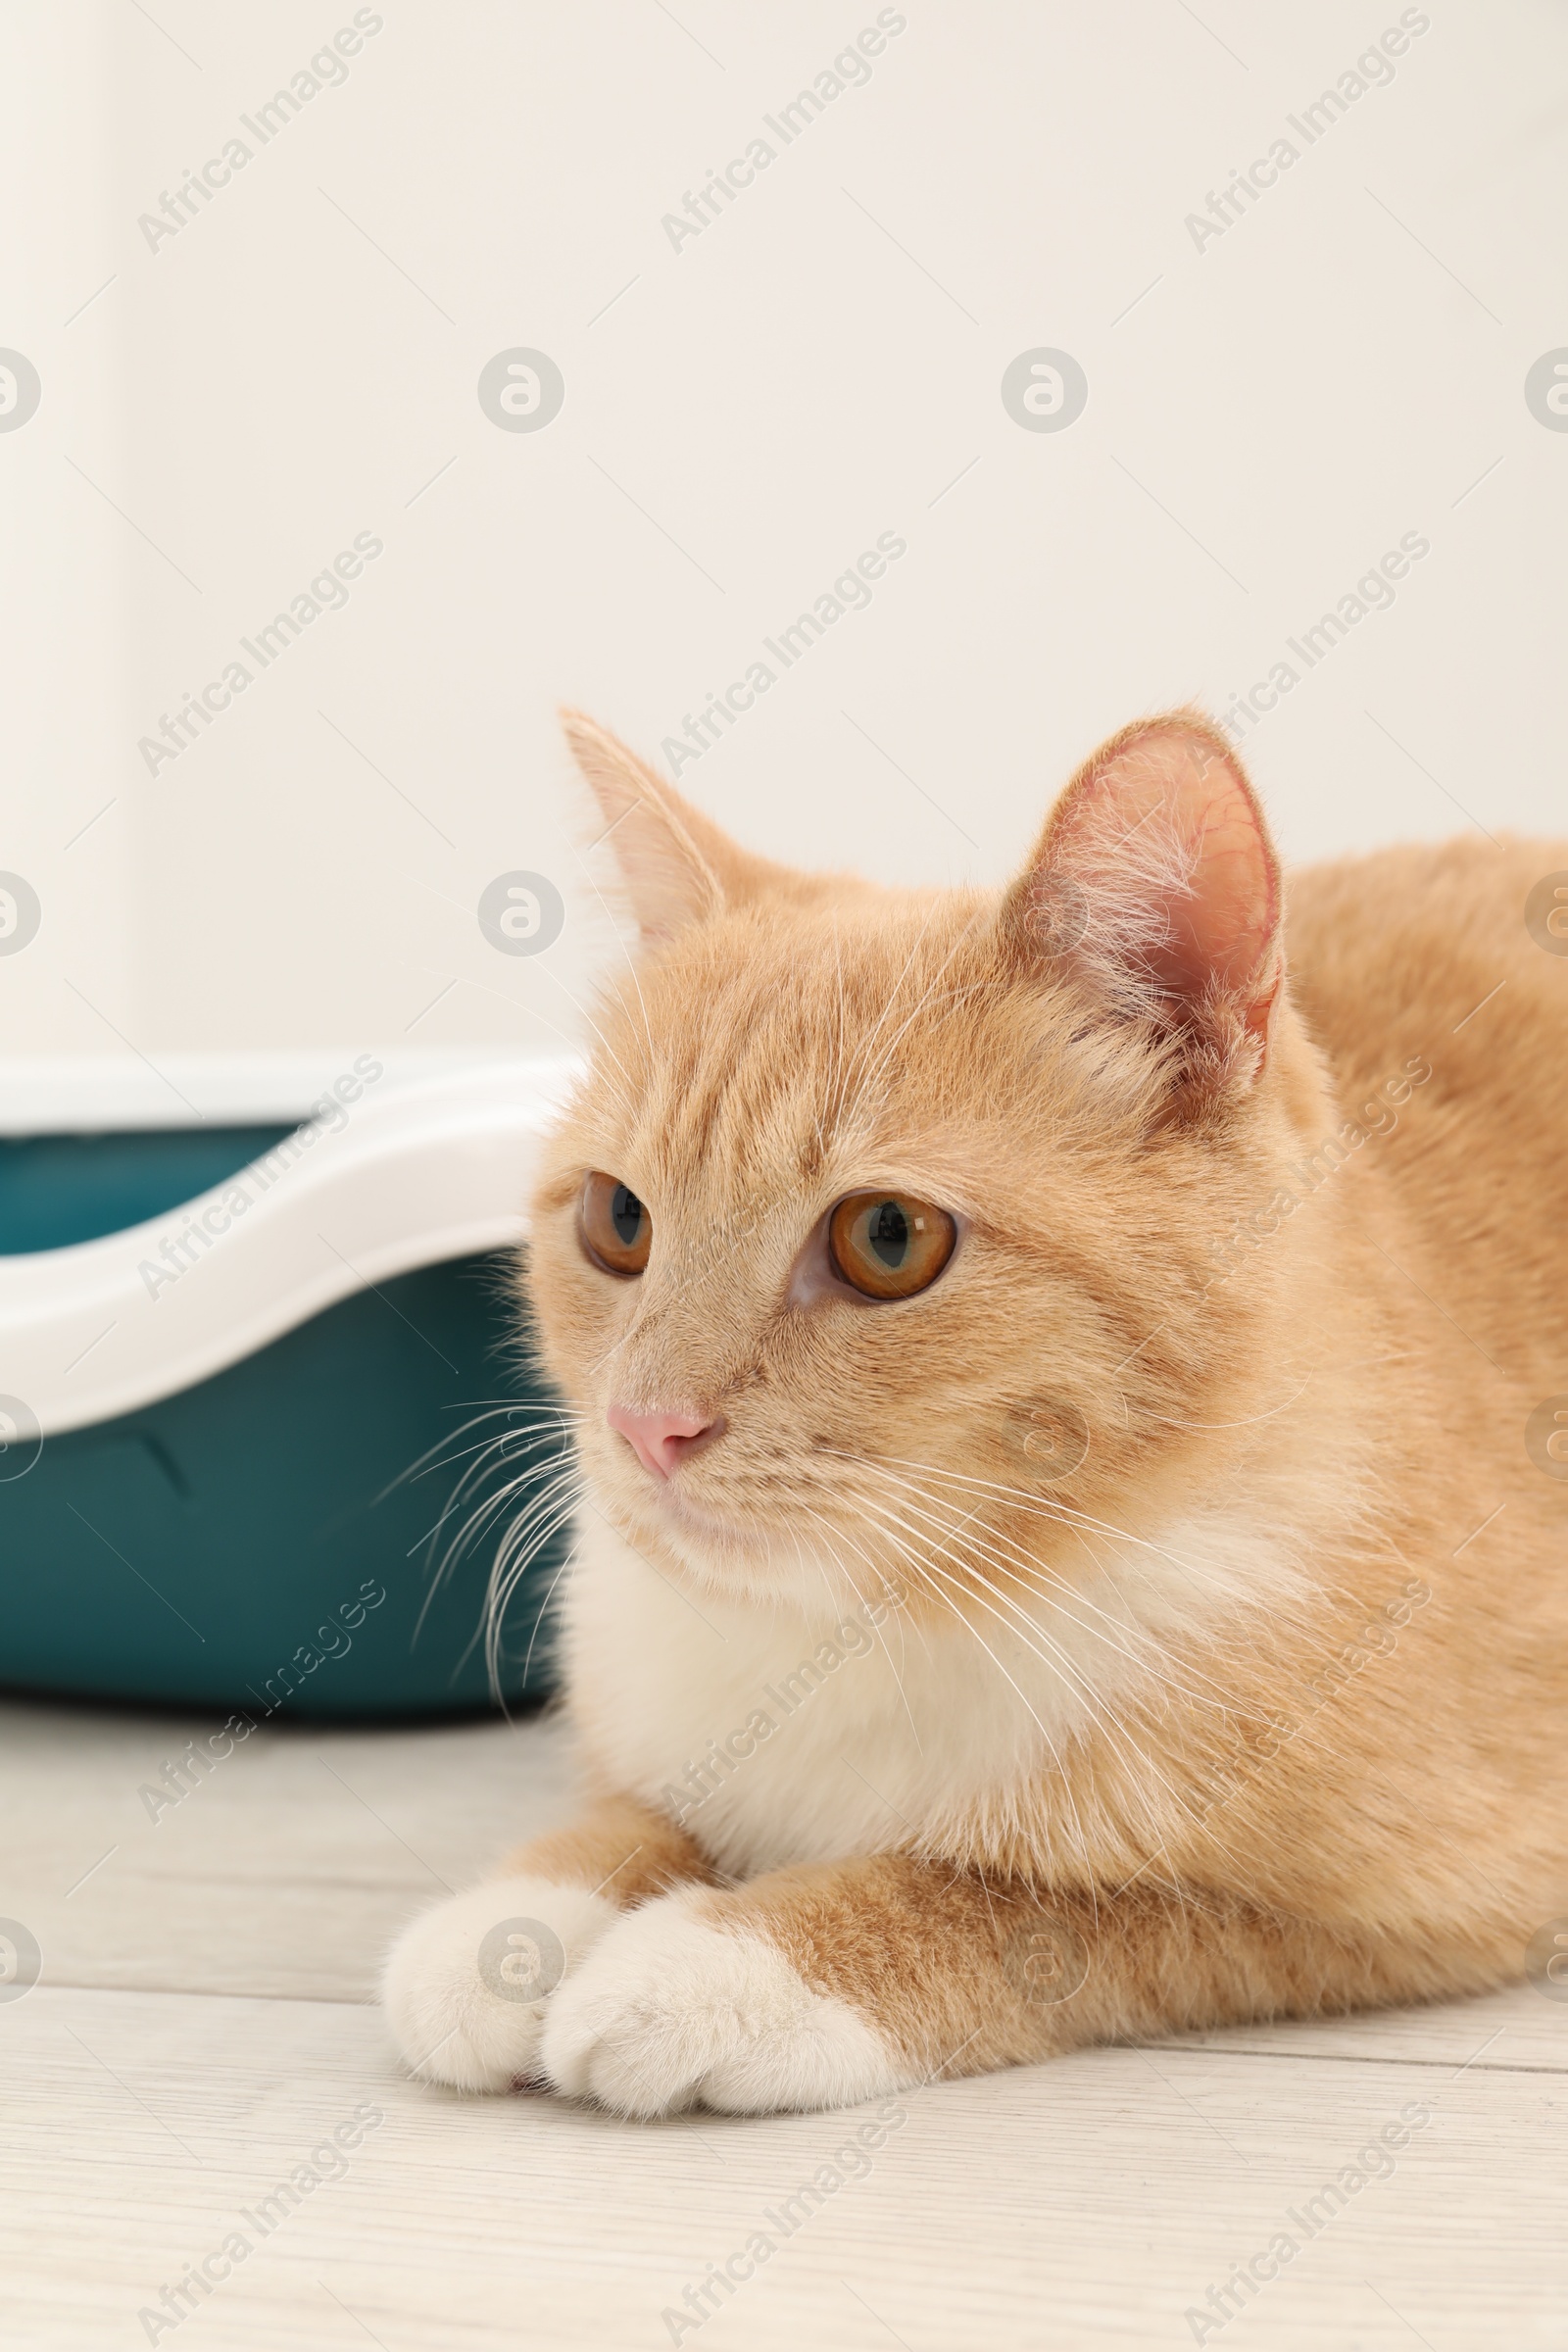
882, 1234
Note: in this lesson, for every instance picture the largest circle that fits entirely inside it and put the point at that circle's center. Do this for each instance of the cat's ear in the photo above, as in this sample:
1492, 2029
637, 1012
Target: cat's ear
676, 865
1157, 885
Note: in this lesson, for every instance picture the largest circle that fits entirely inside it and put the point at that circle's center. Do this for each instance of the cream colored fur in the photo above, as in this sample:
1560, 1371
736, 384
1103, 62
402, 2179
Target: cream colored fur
929, 1727
1251, 1708
454, 2027
672, 2013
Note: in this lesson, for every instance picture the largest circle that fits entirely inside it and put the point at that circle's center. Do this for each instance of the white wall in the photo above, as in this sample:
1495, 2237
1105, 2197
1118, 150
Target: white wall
743, 416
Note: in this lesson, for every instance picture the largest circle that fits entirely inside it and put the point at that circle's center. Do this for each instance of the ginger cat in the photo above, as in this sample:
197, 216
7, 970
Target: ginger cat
1065, 1560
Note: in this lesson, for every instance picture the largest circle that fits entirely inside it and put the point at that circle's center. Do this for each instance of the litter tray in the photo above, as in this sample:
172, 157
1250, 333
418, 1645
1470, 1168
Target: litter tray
226, 1348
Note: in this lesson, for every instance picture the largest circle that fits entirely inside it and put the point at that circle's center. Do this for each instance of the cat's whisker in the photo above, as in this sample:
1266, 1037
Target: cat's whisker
875, 1628
416, 1468
482, 1519
1021, 1626
1116, 1633
510, 1448
521, 1532
541, 1427
1052, 1655
519, 1552
1067, 1598
502, 1454
540, 1620
841, 1534
1040, 1568
540, 1421
1100, 1707
923, 1568
1045, 1508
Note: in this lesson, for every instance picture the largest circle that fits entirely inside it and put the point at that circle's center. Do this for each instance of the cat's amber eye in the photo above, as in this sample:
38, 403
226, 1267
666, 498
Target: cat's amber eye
889, 1245
617, 1229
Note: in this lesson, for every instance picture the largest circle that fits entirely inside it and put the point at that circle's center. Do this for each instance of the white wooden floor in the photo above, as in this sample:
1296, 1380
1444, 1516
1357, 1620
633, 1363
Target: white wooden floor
201, 2026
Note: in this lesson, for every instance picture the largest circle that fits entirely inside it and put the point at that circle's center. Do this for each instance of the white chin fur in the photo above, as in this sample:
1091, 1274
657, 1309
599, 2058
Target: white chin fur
669, 2012
467, 1985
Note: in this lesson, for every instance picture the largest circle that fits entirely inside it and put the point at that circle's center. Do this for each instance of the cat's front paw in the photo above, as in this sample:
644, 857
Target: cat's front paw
467, 1985
671, 2011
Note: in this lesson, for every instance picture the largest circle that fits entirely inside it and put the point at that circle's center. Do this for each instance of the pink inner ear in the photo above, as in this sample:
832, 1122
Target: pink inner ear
1220, 935
1169, 849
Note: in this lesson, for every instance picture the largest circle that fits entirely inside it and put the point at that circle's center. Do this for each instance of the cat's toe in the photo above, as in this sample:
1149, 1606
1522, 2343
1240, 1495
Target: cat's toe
468, 1984
671, 2012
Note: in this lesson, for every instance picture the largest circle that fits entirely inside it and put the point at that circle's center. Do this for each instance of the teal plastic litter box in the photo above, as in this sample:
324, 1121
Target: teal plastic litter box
226, 1345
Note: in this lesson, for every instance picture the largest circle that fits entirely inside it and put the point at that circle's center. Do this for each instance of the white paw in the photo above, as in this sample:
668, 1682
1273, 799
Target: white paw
669, 2012
467, 1985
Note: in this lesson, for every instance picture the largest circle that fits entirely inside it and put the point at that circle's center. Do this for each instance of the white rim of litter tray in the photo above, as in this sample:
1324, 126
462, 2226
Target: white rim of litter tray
416, 1173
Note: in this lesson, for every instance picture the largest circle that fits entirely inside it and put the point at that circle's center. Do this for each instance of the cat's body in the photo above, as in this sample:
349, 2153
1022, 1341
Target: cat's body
1156, 1621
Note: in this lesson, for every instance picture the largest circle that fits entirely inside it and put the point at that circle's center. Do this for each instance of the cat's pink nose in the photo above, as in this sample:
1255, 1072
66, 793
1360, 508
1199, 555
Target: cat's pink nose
659, 1439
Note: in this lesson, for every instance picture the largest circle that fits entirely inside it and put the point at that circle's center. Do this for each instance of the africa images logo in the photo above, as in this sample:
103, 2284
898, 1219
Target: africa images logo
522, 390
1545, 390
1045, 390
20, 390
522, 913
